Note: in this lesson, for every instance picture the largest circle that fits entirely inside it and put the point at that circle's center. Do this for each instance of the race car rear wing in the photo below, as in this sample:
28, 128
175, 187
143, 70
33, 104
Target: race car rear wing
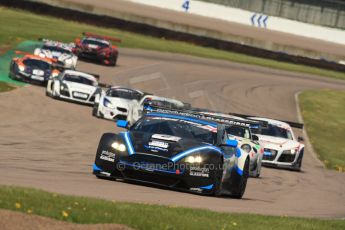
199, 115
88, 34
291, 123
45, 40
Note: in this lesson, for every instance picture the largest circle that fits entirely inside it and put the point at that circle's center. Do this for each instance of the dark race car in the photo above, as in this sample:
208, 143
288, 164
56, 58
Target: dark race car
183, 150
97, 48
33, 69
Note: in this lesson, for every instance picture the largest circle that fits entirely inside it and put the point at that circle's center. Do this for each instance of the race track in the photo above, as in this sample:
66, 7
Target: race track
51, 144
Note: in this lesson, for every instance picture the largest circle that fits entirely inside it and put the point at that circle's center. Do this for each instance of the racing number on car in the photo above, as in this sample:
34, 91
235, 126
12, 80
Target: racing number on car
186, 5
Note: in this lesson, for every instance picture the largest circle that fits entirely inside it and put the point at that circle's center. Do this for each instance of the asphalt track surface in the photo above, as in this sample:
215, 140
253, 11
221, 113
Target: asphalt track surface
51, 144
268, 37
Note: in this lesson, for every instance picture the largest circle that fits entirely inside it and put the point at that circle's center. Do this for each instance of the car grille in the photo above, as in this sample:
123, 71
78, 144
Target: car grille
80, 97
65, 93
288, 158
272, 156
151, 177
124, 110
120, 117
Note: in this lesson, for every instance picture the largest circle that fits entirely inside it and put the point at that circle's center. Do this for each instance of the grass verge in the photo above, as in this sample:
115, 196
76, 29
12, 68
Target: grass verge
5, 87
144, 216
34, 26
323, 112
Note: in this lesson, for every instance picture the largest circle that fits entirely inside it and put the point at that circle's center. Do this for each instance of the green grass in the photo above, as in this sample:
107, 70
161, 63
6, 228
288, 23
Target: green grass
145, 216
324, 116
5, 87
33, 26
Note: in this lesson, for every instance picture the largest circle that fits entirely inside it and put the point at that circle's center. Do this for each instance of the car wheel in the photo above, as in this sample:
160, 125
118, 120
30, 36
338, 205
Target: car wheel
217, 182
257, 171
298, 164
95, 110
238, 188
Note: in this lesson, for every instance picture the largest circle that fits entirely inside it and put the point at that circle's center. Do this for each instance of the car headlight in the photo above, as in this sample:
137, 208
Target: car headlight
21, 68
290, 151
55, 74
68, 61
63, 87
193, 159
118, 146
247, 148
108, 104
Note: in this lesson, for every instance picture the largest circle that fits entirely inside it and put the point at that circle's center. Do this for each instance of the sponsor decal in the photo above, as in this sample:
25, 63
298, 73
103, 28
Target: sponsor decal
160, 144
38, 72
165, 137
155, 149
39, 78
80, 95
199, 172
107, 156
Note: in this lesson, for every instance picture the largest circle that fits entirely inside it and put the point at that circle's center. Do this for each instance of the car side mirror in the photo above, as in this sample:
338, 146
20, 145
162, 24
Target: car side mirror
300, 139
231, 143
255, 137
122, 124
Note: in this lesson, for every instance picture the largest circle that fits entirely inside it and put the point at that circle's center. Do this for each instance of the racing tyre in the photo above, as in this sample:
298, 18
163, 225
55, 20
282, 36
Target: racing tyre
257, 171
298, 164
113, 61
217, 182
240, 183
95, 110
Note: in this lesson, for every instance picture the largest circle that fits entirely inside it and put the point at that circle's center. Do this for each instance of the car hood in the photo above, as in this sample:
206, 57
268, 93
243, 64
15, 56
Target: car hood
161, 145
277, 143
119, 102
73, 86
57, 55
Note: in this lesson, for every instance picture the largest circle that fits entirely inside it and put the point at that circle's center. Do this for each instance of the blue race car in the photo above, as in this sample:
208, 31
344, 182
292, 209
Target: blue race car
183, 150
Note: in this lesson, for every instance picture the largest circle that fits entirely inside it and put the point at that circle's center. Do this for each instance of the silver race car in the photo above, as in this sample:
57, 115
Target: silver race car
247, 141
281, 148
74, 86
114, 103
62, 52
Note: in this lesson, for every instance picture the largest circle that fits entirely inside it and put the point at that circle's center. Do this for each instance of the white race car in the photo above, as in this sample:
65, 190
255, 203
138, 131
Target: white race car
74, 86
62, 52
114, 103
247, 141
136, 108
281, 147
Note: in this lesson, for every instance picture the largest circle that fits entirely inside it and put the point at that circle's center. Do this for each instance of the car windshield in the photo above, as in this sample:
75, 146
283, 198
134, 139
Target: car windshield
56, 49
274, 131
161, 103
123, 93
238, 131
36, 64
177, 127
79, 79
95, 43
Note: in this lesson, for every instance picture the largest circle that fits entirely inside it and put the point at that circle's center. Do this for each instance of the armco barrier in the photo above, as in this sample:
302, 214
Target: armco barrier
106, 21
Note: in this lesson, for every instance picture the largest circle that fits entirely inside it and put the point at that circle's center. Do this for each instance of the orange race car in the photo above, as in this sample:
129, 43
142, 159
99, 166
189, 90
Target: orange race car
32, 68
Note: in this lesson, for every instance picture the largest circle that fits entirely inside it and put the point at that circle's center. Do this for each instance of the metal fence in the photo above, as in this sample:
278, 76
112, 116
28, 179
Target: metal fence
329, 13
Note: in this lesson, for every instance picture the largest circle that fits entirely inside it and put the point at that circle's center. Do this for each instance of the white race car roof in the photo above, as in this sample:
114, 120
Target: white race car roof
85, 75
59, 45
125, 89
273, 122
158, 98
